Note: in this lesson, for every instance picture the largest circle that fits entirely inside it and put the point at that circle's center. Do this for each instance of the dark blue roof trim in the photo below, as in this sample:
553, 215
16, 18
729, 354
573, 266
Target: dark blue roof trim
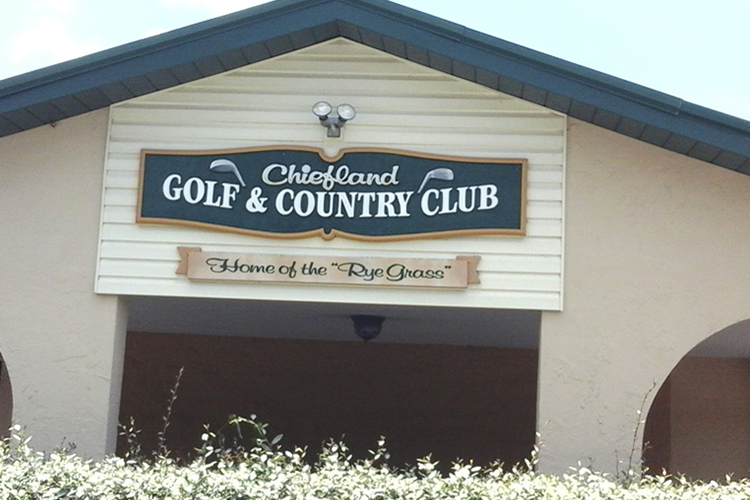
255, 34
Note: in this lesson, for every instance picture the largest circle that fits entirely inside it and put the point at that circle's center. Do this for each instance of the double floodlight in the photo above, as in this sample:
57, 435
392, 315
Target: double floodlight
333, 124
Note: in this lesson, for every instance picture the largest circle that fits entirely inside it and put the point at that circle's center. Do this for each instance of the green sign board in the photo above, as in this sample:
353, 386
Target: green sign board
363, 194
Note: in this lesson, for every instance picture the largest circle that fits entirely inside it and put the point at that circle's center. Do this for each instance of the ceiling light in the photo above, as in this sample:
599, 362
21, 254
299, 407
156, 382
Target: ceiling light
366, 326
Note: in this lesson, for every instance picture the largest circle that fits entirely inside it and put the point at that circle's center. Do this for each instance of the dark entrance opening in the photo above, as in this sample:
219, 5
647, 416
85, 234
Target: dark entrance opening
6, 401
698, 424
446, 382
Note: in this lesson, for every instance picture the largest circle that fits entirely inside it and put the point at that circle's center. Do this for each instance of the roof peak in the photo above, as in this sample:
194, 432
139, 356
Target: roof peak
264, 31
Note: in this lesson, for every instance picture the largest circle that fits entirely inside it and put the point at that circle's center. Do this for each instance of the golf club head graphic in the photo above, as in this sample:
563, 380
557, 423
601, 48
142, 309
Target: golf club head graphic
442, 174
226, 166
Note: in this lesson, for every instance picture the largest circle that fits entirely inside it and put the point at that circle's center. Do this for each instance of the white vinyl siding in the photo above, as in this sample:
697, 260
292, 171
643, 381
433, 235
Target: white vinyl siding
400, 105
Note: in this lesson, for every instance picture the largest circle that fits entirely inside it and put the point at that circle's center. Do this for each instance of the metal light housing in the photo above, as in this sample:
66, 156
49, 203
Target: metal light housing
367, 326
333, 124
346, 112
322, 109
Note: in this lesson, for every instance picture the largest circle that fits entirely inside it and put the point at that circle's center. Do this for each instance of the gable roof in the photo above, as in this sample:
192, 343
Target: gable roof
99, 80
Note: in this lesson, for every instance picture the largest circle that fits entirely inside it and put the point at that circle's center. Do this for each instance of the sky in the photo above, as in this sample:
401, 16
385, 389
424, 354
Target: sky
697, 50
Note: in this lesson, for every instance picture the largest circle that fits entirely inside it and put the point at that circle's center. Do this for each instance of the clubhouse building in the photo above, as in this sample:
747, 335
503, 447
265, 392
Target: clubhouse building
353, 219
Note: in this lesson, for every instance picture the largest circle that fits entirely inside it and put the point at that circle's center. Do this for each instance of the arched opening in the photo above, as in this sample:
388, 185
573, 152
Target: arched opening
699, 422
6, 400
447, 382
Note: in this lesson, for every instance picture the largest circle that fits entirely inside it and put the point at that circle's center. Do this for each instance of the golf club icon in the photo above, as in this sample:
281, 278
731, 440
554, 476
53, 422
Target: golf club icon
226, 166
442, 174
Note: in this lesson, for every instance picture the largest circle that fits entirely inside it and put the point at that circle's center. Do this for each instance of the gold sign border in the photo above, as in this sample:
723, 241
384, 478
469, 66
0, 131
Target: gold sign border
335, 232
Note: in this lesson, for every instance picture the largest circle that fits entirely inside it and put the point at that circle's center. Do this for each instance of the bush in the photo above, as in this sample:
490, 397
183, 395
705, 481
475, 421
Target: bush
267, 472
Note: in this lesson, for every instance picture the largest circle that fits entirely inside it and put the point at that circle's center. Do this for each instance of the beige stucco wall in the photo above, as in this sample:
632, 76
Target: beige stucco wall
656, 261
57, 337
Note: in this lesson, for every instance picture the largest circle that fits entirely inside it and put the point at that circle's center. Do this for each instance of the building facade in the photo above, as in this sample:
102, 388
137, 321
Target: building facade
606, 321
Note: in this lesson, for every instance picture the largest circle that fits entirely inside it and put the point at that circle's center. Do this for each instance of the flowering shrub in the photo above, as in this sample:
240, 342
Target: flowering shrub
266, 472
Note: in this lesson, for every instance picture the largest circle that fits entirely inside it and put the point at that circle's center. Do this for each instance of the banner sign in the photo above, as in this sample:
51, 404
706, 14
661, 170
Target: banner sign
362, 194
422, 273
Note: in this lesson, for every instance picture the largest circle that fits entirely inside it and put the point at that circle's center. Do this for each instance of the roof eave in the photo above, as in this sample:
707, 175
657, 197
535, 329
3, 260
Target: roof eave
221, 44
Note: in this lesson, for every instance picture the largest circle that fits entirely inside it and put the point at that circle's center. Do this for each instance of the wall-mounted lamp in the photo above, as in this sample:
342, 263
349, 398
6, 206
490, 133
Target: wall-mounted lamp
367, 327
345, 112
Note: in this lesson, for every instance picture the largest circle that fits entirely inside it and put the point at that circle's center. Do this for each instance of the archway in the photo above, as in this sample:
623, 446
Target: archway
699, 422
6, 400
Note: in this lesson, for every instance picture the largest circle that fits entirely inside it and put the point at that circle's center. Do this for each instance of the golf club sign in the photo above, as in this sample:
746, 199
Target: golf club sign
364, 194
